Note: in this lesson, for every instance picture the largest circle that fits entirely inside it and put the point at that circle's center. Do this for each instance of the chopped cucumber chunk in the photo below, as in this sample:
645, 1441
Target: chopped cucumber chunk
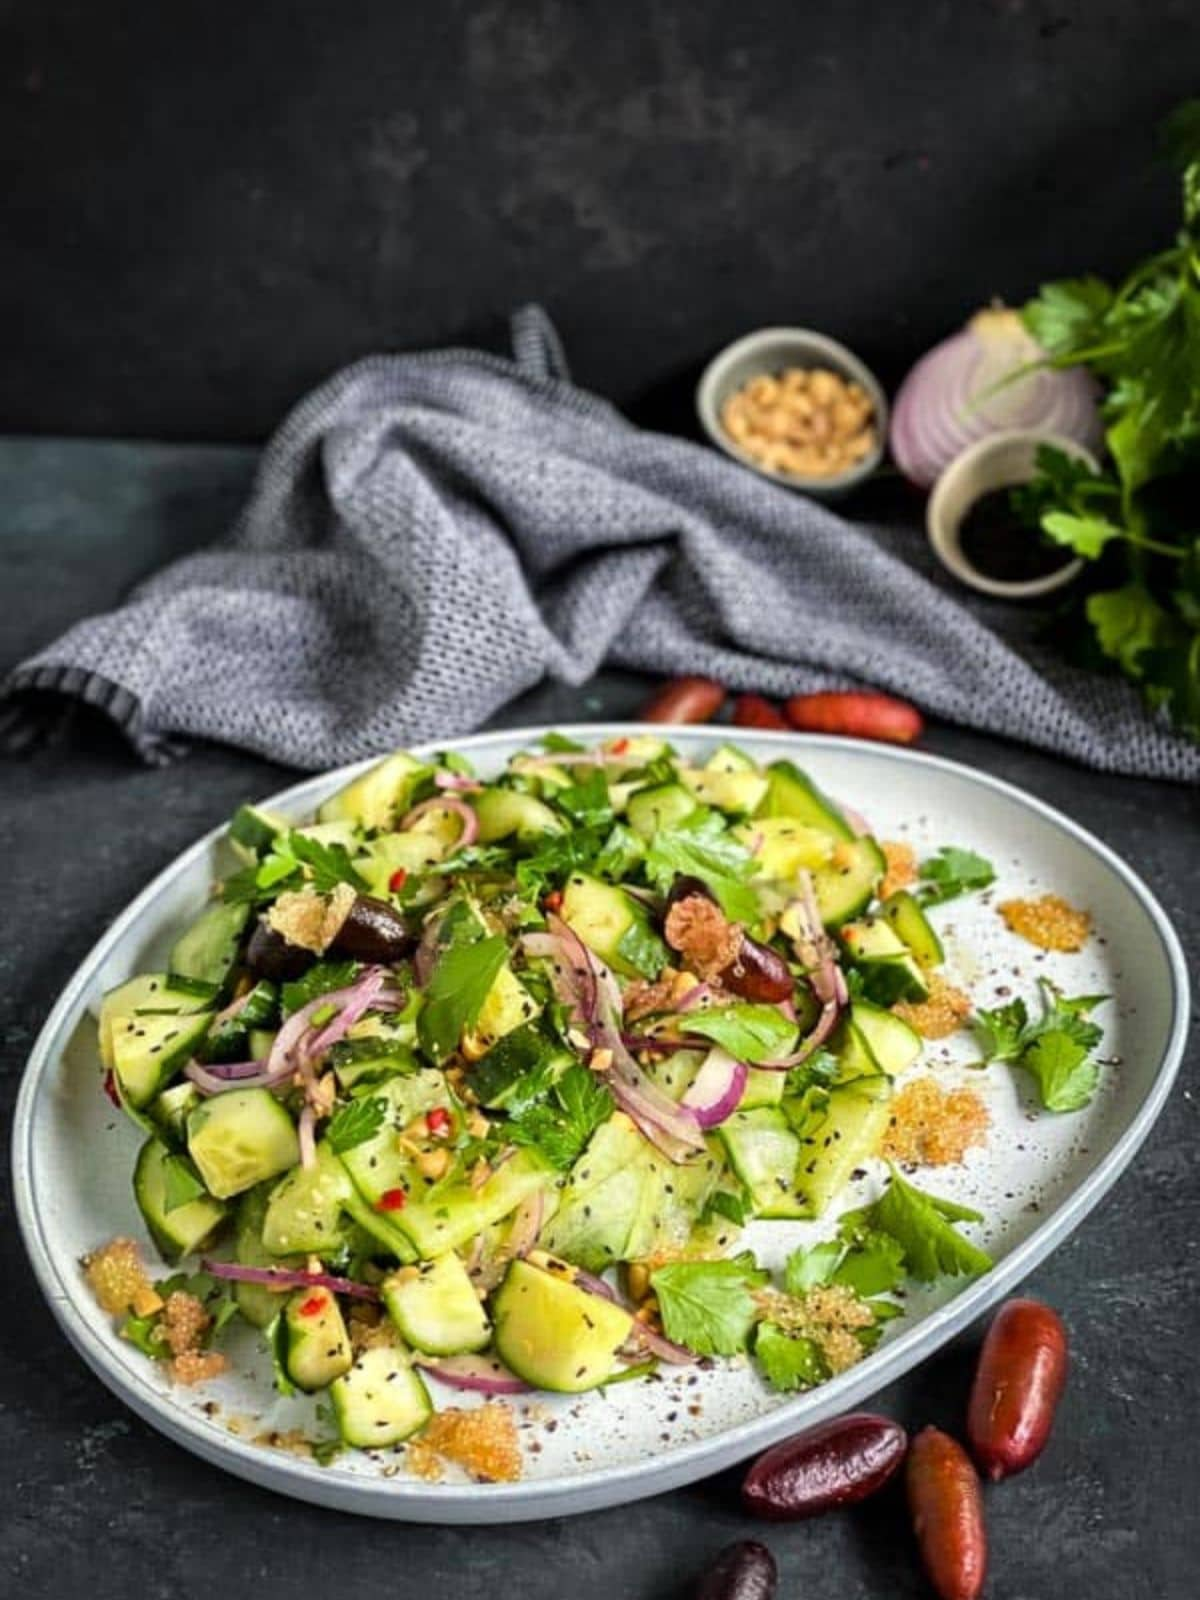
381, 1400
436, 1308
239, 1139
554, 1335
314, 1346
206, 953
181, 1218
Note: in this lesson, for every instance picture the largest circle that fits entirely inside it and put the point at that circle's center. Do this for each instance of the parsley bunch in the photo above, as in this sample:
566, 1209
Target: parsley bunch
1137, 517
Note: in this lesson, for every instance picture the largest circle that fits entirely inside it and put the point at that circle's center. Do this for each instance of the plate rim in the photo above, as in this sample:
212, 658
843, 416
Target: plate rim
576, 1492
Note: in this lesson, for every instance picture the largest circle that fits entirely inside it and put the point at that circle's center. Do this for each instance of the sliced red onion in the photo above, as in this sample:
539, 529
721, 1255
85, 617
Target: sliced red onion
694, 997
458, 782
474, 1374
224, 1075
526, 1225
307, 1132
597, 1286
426, 954
958, 393
571, 967
287, 1278
826, 979
446, 802
233, 1009
296, 1046
658, 1344
715, 1091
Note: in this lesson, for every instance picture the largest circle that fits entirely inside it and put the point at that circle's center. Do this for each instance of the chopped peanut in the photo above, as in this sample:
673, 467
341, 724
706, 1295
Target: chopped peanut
1048, 922
931, 1126
807, 423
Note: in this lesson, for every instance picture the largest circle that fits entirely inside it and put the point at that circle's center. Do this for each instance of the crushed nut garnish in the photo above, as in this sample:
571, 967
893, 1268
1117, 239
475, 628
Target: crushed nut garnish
311, 920
117, 1277
369, 1329
198, 1366
700, 930
828, 1314
901, 862
944, 1013
484, 1441
1048, 922
934, 1127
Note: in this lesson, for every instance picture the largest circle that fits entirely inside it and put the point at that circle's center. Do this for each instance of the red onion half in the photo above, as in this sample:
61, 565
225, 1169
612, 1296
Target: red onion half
957, 393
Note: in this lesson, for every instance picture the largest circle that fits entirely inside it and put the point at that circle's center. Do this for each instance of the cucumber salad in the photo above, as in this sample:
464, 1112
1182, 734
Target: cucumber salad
482, 1081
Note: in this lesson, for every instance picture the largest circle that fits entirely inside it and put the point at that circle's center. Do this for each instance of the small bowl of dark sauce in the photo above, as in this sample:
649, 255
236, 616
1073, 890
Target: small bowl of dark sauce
978, 535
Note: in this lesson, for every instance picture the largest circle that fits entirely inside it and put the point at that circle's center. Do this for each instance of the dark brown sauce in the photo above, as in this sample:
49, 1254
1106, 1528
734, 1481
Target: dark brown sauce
999, 545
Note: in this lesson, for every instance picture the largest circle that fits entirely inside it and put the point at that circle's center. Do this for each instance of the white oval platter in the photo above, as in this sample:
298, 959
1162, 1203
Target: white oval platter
1037, 1179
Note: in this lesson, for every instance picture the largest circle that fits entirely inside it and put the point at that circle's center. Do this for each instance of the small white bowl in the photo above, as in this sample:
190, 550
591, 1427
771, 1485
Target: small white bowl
769, 351
998, 461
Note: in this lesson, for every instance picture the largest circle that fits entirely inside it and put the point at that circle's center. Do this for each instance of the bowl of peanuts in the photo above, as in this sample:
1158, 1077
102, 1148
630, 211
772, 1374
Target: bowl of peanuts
797, 407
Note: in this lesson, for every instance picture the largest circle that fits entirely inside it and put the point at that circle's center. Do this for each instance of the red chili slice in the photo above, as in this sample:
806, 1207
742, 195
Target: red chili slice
313, 1306
398, 879
438, 1122
392, 1200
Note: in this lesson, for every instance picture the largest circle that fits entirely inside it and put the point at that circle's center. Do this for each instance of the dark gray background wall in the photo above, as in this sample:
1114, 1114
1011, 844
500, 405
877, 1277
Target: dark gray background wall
208, 206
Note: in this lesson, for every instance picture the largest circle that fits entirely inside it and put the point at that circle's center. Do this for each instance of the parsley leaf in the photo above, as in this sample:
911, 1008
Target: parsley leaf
621, 853
456, 992
1002, 1030
951, 872
1127, 622
873, 1265
560, 743
788, 1362
748, 1032
642, 948
1067, 316
587, 802
561, 1125
1054, 1047
1066, 1075
702, 847
1085, 535
181, 1183
355, 1123
707, 1305
322, 978
804, 1269
922, 1225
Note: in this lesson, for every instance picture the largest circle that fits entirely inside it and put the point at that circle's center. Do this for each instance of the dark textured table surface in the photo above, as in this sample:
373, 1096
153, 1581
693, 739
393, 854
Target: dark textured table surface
99, 1504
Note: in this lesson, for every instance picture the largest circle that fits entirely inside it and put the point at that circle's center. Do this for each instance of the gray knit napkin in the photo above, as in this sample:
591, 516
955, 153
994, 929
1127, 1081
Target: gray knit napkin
429, 535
